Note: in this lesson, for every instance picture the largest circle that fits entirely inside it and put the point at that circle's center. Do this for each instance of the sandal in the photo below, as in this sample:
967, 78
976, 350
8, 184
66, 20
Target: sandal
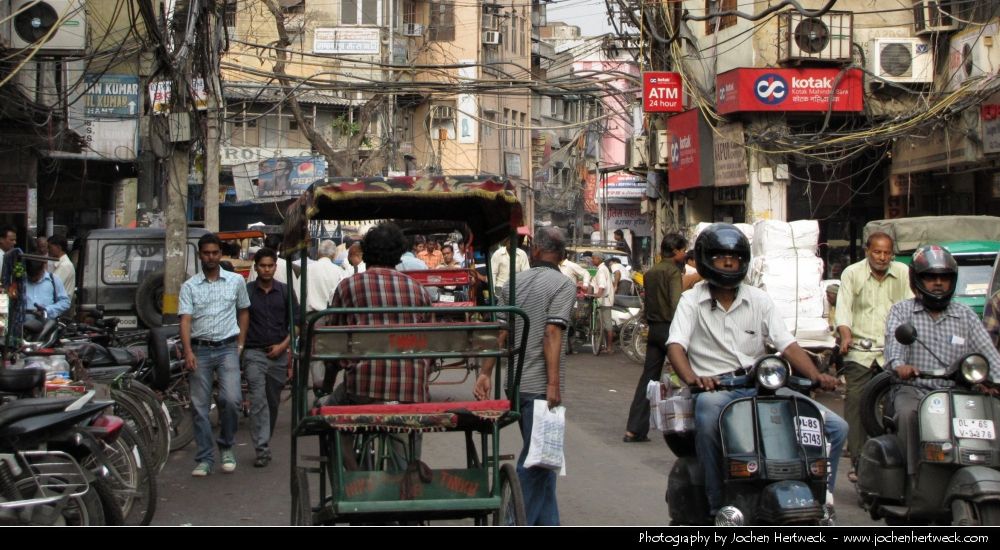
852, 476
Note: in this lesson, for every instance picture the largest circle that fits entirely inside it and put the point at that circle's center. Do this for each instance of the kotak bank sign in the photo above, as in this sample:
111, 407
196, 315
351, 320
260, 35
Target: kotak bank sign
661, 93
743, 90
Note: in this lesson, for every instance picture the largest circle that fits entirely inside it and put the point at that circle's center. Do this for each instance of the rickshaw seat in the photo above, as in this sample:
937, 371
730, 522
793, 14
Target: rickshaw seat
441, 277
427, 338
416, 417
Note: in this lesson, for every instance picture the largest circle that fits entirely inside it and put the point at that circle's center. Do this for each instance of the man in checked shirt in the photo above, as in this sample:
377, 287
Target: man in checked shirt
949, 329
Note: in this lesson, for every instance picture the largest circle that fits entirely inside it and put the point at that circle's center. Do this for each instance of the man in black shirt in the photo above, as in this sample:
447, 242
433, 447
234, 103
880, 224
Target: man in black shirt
265, 359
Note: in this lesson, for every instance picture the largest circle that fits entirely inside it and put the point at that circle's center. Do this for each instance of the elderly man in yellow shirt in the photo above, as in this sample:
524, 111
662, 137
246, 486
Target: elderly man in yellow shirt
868, 289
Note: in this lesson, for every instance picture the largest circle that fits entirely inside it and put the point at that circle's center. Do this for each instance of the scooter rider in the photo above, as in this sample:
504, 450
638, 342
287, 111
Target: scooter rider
951, 330
720, 327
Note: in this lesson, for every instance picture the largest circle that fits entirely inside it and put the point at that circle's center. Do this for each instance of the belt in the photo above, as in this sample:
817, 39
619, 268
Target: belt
738, 372
212, 344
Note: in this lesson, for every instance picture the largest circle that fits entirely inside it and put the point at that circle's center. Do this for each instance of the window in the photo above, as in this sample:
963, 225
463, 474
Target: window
360, 12
490, 117
716, 6
506, 130
441, 26
524, 37
410, 12
129, 263
229, 16
523, 131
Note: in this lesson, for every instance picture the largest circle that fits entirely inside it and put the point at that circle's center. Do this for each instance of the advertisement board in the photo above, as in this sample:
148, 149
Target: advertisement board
347, 40
288, 177
662, 92
785, 90
111, 96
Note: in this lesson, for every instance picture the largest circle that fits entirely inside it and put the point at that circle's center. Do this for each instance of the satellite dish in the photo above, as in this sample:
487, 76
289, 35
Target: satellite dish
35, 22
812, 35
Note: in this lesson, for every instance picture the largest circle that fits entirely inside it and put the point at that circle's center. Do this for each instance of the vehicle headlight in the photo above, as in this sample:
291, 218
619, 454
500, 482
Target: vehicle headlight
729, 516
975, 368
772, 372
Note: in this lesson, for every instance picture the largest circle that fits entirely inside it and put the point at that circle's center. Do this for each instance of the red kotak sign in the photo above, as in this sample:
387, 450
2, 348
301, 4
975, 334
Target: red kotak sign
661, 93
770, 89
684, 163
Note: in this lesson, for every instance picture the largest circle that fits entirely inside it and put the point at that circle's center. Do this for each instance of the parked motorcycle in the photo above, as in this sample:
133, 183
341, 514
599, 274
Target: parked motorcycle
775, 463
958, 474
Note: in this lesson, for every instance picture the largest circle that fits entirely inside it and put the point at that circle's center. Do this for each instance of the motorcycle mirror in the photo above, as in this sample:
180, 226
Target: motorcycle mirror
906, 334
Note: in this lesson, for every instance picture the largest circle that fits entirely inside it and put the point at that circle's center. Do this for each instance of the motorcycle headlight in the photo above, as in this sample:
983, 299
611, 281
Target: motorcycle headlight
772, 372
729, 516
975, 368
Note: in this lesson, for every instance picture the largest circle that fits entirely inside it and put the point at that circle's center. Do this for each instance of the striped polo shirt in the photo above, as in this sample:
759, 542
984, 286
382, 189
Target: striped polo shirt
547, 297
212, 305
718, 341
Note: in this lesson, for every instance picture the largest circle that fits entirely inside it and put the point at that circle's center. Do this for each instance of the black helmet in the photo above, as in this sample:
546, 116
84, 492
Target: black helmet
929, 259
722, 238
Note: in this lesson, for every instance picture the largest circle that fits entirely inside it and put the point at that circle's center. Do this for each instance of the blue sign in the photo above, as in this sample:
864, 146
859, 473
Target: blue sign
770, 89
288, 177
111, 96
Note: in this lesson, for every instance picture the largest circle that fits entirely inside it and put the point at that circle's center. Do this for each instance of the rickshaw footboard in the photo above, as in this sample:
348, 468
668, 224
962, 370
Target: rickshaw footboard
414, 417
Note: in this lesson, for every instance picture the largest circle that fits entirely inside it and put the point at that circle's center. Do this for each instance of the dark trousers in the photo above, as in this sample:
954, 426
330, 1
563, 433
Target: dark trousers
656, 354
856, 375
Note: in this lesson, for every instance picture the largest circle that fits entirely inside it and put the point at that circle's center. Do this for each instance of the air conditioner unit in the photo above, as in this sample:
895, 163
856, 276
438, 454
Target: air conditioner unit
825, 38
904, 60
931, 16
413, 29
491, 21
33, 22
662, 149
491, 37
638, 153
442, 112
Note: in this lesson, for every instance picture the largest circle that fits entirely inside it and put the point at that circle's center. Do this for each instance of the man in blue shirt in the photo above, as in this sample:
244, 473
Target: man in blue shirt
213, 341
45, 293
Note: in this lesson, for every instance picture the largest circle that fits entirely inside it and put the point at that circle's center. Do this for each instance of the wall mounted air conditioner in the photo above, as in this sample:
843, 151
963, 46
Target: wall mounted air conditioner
662, 149
931, 16
638, 158
904, 60
35, 19
491, 21
491, 37
413, 29
826, 38
442, 112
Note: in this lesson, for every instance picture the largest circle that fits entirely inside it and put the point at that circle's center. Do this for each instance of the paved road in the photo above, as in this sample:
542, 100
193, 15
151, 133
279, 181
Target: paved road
608, 482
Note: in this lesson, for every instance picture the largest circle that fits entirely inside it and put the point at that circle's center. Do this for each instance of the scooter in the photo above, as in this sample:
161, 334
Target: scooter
775, 463
958, 474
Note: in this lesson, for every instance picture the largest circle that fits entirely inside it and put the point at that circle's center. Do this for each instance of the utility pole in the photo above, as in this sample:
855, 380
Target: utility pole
213, 130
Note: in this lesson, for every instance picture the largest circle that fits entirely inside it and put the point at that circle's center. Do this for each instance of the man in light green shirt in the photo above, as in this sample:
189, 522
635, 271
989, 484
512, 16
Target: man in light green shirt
868, 289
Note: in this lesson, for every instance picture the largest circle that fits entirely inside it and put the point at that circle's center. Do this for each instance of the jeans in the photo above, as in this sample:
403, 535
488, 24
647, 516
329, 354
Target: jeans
537, 484
656, 354
224, 362
707, 409
265, 380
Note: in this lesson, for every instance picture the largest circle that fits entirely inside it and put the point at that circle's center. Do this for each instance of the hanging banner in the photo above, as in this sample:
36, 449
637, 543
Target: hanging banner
159, 96
285, 177
689, 137
661, 92
783, 90
468, 127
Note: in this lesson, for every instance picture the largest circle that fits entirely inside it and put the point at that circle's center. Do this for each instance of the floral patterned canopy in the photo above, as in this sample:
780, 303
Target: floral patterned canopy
487, 204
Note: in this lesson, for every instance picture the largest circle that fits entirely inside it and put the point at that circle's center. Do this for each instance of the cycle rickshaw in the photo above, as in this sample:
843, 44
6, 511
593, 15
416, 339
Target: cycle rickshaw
484, 489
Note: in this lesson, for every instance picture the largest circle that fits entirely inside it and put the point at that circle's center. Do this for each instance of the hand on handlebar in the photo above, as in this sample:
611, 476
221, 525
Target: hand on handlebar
827, 382
990, 390
907, 372
707, 383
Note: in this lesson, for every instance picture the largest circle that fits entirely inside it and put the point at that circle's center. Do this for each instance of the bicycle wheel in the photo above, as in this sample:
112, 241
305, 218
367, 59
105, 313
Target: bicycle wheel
137, 417
638, 343
132, 479
596, 332
177, 399
161, 420
625, 334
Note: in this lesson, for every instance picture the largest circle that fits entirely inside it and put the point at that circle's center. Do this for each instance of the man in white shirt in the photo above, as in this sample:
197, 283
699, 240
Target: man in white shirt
577, 274
604, 293
322, 277
63, 269
8, 240
500, 264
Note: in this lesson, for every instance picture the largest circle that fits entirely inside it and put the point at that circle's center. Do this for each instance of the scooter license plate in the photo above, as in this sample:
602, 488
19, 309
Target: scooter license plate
971, 428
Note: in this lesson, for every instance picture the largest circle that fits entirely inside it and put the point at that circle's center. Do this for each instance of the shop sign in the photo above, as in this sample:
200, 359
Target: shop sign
730, 155
113, 139
662, 92
287, 177
111, 96
944, 147
13, 198
628, 217
468, 127
232, 156
688, 136
159, 96
783, 90
621, 187
347, 40
989, 123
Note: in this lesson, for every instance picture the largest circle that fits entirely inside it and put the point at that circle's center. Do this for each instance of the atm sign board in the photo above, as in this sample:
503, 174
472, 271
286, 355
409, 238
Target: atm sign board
661, 92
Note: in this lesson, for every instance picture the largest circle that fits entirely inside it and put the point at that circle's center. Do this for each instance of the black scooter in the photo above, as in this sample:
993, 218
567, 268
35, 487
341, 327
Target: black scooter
774, 450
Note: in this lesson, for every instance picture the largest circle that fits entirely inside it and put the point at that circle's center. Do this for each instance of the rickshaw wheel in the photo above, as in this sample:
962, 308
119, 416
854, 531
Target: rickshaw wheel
511, 510
597, 334
300, 498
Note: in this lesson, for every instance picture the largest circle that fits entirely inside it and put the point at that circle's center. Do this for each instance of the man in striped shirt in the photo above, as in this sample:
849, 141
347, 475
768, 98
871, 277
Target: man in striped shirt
546, 296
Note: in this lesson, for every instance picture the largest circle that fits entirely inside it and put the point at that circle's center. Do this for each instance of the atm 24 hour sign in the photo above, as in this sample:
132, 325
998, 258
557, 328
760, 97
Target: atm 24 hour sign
661, 93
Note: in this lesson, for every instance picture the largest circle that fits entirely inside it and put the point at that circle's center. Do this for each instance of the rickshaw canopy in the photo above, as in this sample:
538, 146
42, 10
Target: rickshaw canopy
487, 204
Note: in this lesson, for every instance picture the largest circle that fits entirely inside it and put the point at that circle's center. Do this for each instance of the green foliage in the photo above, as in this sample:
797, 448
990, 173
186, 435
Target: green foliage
345, 127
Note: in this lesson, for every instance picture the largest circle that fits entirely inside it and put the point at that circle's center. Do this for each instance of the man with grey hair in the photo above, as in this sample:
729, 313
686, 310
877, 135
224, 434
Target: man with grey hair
546, 296
604, 292
323, 277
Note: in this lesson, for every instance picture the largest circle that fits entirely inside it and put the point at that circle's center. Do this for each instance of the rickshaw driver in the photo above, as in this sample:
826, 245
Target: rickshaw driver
380, 285
719, 328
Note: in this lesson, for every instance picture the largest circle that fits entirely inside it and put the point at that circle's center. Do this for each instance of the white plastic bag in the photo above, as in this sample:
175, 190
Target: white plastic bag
548, 431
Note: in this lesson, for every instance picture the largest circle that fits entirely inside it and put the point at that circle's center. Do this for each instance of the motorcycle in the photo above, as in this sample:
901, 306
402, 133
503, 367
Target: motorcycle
774, 451
958, 474
53, 470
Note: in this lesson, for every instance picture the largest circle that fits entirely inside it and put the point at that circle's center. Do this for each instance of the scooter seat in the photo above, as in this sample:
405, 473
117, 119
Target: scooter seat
24, 408
628, 301
21, 380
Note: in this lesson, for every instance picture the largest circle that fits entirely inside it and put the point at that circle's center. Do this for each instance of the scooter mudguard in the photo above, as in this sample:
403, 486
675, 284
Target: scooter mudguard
788, 502
686, 498
973, 484
882, 469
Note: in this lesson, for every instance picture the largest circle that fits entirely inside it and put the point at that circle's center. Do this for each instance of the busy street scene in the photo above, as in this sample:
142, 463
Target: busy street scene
691, 263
